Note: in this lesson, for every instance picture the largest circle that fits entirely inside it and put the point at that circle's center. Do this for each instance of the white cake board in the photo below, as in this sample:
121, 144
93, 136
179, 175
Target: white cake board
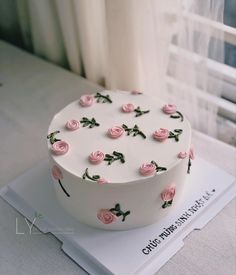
102, 252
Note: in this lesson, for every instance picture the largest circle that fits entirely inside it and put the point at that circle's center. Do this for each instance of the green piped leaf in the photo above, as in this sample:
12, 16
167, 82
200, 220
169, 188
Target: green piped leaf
89, 122
167, 204
52, 137
139, 112
118, 212
176, 134
158, 168
87, 176
115, 156
135, 131
179, 115
102, 98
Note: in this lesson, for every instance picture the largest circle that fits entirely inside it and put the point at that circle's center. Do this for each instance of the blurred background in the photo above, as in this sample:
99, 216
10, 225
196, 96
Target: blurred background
180, 50
10, 30
230, 20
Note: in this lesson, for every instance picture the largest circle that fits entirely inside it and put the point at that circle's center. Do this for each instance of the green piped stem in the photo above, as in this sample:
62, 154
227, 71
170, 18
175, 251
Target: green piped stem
64, 190
178, 116
103, 98
118, 212
93, 178
189, 165
139, 112
167, 203
89, 122
116, 156
158, 168
52, 138
135, 131
176, 134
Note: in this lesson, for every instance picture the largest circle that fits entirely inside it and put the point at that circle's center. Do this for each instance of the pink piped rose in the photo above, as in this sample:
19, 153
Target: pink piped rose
56, 173
161, 134
72, 124
96, 157
191, 153
147, 169
60, 147
115, 132
169, 109
182, 155
168, 193
86, 100
102, 181
106, 216
127, 108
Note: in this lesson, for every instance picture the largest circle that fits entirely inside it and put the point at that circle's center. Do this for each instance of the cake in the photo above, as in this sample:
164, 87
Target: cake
119, 160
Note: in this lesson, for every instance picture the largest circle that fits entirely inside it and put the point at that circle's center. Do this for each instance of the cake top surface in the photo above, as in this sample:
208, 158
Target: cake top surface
118, 136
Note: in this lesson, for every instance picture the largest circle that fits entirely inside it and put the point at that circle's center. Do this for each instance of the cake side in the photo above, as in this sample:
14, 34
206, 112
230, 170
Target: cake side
146, 201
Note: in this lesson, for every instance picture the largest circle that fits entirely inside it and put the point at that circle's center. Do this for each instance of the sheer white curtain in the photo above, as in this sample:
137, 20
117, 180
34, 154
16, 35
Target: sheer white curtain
196, 43
126, 45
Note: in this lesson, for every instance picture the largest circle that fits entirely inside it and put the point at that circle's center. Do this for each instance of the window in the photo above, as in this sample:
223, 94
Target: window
224, 70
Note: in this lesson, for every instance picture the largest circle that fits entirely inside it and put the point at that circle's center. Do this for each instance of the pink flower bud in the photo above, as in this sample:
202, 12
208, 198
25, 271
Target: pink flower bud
147, 169
169, 109
115, 132
102, 181
182, 155
72, 124
86, 100
60, 147
191, 153
106, 216
128, 108
56, 173
96, 157
161, 134
168, 193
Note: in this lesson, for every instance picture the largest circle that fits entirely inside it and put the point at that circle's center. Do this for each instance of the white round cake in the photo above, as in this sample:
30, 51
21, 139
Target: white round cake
119, 159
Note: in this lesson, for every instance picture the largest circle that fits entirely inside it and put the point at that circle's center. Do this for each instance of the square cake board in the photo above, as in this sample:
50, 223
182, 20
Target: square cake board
208, 190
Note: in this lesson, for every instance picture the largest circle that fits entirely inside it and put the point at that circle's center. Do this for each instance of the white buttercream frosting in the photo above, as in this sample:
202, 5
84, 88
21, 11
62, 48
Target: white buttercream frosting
136, 150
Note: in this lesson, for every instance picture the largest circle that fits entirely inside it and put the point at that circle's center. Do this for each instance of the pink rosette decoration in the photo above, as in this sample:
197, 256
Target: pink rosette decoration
106, 216
60, 147
147, 169
169, 109
86, 100
102, 181
168, 193
56, 173
127, 108
161, 134
115, 132
96, 157
182, 155
191, 156
72, 124
191, 153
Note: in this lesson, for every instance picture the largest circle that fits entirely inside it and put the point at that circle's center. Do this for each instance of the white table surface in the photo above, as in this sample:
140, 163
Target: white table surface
32, 91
